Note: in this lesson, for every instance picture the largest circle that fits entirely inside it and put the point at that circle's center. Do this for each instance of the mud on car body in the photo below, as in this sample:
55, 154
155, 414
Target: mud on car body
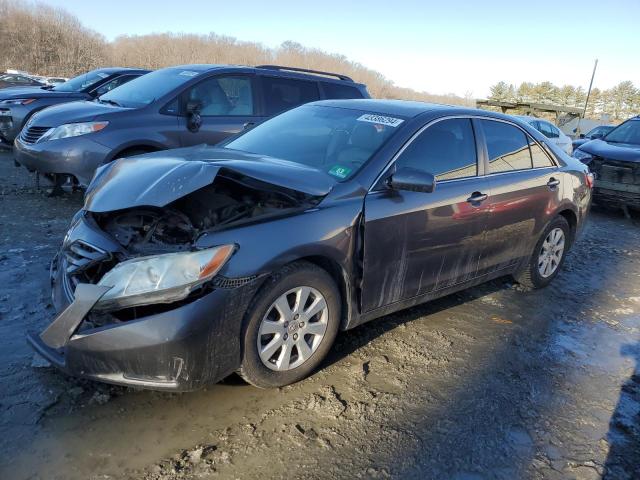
187, 265
615, 161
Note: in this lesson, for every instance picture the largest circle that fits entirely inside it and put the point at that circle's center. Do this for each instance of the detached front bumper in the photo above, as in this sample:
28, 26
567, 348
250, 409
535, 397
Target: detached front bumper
76, 156
613, 193
177, 349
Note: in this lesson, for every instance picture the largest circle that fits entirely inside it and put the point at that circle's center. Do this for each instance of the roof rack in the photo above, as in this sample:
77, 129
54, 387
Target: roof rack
305, 70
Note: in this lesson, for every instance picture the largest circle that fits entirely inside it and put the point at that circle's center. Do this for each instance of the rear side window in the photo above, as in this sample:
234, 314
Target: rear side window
539, 158
446, 149
549, 130
284, 93
507, 147
339, 91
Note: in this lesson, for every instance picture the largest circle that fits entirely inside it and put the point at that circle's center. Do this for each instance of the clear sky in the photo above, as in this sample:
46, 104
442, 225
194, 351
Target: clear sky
443, 46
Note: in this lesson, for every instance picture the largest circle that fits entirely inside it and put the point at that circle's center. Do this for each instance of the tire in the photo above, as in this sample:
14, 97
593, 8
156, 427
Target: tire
263, 318
530, 276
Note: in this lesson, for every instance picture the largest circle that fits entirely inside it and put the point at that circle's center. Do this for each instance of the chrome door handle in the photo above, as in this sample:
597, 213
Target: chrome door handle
553, 183
477, 197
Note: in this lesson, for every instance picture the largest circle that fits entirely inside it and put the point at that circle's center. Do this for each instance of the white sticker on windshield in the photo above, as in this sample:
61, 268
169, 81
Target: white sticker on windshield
188, 73
380, 119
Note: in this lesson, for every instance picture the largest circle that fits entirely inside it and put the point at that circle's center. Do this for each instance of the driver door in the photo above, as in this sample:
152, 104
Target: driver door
417, 242
227, 105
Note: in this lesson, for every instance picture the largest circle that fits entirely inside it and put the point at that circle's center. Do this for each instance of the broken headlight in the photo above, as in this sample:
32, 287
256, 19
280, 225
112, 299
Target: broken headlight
162, 278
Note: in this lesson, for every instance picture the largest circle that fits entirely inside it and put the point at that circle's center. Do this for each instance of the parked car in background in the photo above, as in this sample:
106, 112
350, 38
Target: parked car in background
615, 161
169, 108
594, 133
17, 105
56, 80
18, 80
186, 265
550, 131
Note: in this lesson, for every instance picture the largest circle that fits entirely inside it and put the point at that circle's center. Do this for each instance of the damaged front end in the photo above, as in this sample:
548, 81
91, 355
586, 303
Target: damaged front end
140, 303
617, 181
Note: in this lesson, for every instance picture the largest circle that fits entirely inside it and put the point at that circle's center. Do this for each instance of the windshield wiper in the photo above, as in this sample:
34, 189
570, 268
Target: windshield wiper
47, 87
110, 102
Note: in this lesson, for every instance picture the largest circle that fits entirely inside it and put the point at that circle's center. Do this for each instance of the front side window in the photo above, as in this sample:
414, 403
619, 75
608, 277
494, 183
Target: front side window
281, 94
507, 147
337, 141
447, 150
223, 96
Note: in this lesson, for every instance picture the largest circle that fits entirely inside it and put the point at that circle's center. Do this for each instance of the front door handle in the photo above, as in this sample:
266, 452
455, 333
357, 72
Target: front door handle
553, 183
477, 197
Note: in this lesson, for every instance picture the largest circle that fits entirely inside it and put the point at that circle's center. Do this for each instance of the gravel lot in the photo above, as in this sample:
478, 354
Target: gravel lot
490, 383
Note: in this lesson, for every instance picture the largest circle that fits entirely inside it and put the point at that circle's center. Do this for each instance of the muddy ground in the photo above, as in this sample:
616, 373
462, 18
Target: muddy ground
493, 382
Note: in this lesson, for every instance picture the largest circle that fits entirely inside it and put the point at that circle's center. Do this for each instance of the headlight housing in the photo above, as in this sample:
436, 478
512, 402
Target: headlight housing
581, 155
18, 101
162, 278
72, 130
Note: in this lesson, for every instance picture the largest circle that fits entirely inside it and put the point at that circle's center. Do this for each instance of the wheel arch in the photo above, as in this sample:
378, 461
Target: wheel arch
144, 147
572, 219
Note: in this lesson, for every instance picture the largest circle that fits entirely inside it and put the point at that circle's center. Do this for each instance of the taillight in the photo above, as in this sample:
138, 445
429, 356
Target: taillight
590, 179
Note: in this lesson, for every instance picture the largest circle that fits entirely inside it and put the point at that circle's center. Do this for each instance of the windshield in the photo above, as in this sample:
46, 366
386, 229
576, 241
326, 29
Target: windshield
81, 82
337, 141
147, 88
628, 132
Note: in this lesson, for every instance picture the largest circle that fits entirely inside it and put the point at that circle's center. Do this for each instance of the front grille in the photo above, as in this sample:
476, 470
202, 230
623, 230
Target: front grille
83, 263
615, 171
32, 134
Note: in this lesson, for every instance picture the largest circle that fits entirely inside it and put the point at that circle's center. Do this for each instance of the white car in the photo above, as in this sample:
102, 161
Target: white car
550, 131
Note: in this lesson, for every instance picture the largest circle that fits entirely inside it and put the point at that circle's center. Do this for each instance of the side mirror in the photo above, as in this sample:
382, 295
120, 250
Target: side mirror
412, 180
582, 135
194, 120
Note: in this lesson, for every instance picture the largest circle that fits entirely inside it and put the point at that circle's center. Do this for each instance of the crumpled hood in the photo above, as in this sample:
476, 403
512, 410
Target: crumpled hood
157, 179
72, 112
36, 92
614, 151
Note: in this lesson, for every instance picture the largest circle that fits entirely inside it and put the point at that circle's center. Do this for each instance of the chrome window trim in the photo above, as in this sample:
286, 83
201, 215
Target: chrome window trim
478, 156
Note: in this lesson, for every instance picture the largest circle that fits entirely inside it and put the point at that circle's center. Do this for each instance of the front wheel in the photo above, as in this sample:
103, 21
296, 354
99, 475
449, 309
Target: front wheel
290, 326
547, 257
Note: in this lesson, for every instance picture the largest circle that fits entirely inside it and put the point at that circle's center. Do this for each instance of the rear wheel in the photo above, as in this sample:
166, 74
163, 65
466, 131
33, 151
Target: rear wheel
547, 257
290, 326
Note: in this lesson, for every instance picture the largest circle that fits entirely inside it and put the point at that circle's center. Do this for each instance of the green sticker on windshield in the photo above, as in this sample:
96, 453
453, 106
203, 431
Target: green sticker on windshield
340, 172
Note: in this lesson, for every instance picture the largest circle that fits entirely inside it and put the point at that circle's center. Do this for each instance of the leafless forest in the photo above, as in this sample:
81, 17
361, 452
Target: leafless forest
49, 41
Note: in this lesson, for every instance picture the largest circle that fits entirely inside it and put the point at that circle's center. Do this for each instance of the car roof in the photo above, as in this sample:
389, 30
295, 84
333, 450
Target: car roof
112, 70
409, 108
403, 108
271, 69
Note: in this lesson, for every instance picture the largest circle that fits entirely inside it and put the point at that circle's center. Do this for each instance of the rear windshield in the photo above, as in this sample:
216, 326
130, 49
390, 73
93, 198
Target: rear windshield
147, 88
337, 141
628, 132
82, 82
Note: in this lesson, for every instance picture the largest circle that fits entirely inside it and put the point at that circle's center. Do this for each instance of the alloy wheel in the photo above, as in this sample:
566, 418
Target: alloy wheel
551, 252
292, 329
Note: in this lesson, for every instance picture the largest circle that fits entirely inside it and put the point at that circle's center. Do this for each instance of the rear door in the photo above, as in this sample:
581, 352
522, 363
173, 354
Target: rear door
228, 104
416, 242
524, 187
